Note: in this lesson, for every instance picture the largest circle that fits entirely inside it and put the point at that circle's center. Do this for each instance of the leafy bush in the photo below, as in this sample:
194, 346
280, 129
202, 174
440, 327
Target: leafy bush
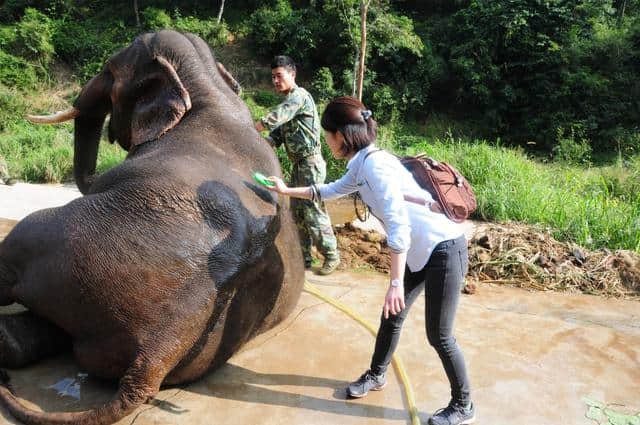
16, 72
526, 67
214, 33
572, 148
11, 102
384, 104
268, 25
7, 37
211, 31
156, 19
266, 98
322, 87
86, 45
33, 37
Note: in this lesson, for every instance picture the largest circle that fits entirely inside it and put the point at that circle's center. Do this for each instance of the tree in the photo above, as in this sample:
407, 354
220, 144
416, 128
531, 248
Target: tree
135, 11
221, 10
364, 5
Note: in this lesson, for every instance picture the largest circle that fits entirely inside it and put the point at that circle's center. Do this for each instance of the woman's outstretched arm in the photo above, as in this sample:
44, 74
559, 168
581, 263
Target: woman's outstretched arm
303, 192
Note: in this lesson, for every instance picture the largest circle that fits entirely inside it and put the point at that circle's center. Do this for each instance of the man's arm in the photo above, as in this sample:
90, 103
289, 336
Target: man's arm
282, 113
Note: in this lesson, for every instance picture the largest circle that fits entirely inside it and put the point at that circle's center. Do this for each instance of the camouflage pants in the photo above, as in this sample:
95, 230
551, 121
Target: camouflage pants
314, 224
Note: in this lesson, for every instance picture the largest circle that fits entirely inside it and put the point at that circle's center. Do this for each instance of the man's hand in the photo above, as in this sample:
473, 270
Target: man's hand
259, 126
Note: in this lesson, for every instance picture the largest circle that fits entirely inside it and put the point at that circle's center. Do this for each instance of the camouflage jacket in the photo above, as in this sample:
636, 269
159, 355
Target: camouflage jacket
295, 123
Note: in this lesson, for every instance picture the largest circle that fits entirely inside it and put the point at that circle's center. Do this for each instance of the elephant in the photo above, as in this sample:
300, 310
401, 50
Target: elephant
171, 260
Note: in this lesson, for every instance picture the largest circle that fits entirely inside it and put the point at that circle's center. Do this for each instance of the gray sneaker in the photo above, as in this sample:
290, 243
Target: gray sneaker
367, 382
454, 414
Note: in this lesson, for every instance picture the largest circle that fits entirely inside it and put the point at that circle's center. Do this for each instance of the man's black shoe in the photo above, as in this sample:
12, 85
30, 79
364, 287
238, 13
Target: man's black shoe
367, 382
454, 414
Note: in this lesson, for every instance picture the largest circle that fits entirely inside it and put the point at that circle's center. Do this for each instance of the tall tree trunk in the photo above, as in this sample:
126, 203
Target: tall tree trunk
356, 64
220, 11
364, 5
135, 10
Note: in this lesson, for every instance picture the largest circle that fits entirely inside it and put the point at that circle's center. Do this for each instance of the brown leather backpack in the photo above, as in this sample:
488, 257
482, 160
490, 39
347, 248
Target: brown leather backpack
447, 186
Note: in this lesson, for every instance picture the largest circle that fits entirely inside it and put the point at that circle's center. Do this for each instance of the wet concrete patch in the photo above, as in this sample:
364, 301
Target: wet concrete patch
533, 357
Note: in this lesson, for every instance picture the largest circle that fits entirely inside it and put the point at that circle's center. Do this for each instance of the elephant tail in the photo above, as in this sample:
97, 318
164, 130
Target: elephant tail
131, 394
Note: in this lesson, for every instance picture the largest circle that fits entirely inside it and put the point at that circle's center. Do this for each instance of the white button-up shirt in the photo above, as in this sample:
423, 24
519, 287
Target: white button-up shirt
382, 181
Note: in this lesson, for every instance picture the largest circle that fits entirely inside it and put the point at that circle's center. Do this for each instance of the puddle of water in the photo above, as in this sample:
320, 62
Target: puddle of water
5, 227
341, 210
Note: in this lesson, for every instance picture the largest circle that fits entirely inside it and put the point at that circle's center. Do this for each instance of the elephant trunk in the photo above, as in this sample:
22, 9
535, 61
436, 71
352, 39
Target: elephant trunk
93, 104
86, 139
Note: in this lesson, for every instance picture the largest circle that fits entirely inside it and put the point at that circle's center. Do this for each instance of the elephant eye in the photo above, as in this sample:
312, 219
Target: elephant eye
147, 85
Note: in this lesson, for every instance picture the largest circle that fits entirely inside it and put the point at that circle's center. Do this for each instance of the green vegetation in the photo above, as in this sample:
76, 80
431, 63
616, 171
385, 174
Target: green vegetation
595, 207
535, 102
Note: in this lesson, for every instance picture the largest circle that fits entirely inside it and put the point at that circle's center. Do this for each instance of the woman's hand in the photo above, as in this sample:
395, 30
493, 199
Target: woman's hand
279, 185
393, 301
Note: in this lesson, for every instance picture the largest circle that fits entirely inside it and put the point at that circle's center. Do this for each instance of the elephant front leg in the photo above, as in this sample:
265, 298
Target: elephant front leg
26, 338
154, 358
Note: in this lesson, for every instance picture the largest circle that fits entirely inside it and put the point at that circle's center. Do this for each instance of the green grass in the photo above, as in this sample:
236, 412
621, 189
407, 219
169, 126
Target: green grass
44, 153
596, 206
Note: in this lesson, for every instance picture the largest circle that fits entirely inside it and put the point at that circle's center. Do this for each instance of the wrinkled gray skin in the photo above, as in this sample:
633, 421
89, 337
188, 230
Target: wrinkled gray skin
173, 259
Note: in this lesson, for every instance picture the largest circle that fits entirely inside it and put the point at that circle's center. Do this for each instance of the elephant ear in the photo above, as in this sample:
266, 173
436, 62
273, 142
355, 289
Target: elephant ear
161, 104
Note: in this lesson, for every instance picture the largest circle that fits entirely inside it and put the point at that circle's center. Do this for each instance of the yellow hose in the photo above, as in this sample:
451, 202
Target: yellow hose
397, 363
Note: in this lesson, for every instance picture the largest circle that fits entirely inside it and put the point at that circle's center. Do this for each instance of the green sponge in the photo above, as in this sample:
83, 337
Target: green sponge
260, 178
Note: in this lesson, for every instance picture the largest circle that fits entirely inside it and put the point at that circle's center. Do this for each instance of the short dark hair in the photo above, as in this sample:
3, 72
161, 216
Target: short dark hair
349, 116
284, 61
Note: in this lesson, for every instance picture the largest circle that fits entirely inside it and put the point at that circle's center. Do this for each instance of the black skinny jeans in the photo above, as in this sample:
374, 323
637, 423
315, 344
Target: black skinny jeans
444, 275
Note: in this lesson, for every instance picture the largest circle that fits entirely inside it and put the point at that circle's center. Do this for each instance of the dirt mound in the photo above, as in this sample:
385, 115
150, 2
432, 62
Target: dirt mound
530, 257
516, 254
362, 249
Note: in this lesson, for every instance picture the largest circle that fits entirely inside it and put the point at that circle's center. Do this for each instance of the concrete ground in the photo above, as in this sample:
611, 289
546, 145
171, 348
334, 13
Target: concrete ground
21, 199
533, 358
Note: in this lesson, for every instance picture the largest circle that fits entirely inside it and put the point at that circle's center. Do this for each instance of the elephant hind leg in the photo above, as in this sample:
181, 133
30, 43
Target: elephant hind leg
26, 338
141, 382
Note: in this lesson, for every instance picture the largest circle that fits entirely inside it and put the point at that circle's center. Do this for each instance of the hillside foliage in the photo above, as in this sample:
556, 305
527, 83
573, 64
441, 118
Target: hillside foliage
536, 101
531, 72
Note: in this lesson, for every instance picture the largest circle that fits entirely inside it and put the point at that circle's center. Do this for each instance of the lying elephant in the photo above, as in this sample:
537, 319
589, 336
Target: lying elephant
174, 258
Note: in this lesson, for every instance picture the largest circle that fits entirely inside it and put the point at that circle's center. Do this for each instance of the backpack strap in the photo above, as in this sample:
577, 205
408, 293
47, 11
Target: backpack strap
369, 153
367, 211
435, 207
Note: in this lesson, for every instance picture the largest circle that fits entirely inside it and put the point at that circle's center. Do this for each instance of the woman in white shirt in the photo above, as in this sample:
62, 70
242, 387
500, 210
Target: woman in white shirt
427, 250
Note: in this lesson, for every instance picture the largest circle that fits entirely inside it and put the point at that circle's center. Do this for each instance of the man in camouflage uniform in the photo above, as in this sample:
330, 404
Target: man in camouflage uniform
295, 124
4, 173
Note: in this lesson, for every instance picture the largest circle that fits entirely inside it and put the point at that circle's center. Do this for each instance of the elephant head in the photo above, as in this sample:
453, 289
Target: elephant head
146, 89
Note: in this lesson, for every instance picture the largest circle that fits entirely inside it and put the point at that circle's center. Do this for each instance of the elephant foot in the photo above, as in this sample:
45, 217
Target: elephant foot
26, 338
